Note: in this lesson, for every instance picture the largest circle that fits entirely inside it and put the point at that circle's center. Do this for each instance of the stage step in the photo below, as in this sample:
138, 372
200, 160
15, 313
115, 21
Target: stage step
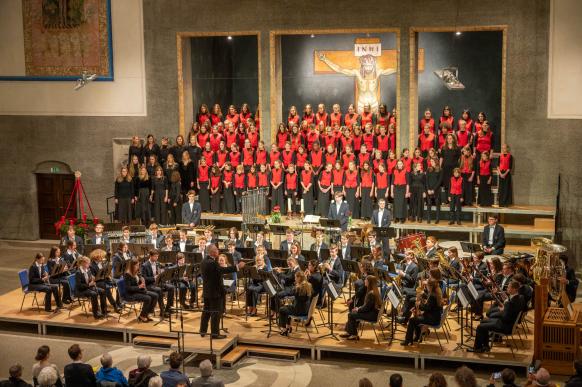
241, 351
153, 342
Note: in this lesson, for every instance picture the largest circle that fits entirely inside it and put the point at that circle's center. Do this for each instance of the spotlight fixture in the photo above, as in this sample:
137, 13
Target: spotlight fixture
450, 77
458, 33
229, 37
85, 79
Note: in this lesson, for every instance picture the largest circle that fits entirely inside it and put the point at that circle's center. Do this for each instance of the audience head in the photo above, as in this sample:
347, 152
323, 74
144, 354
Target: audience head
75, 352
508, 376
106, 360
465, 377
144, 362
42, 353
365, 382
437, 379
156, 381
205, 368
15, 371
395, 380
542, 377
175, 360
47, 377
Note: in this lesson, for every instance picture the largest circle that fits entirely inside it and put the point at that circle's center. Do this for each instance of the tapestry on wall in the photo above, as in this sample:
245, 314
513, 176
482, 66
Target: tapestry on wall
63, 38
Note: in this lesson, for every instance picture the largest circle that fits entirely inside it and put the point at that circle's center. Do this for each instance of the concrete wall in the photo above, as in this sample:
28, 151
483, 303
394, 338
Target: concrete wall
541, 147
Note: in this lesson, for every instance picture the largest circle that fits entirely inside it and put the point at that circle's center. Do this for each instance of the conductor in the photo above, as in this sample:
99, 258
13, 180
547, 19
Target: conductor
213, 291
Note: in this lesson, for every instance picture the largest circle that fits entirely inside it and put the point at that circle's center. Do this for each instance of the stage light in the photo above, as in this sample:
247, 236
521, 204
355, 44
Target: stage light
85, 78
458, 33
229, 37
312, 36
450, 77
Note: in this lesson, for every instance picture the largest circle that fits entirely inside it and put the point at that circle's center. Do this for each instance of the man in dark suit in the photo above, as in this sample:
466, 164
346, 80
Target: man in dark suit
260, 241
338, 210
150, 271
236, 255
71, 236
319, 244
504, 324
493, 238
78, 373
289, 240
191, 210
408, 276
38, 280
99, 238
213, 291
210, 239
71, 254
85, 286
155, 238
345, 247
334, 267
183, 244
382, 218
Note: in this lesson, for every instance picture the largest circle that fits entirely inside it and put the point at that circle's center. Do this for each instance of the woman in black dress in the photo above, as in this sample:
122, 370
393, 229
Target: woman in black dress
170, 166
301, 301
324, 186
505, 196
417, 192
175, 202
215, 189
159, 196
434, 182
450, 154
178, 148
133, 167
142, 196
429, 313
484, 181
136, 149
124, 195
187, 173
307, 183
366, 191
151, 148
135, 290
369, 311
351, 188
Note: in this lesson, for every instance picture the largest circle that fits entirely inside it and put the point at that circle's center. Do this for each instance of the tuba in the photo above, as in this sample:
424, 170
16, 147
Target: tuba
548, 265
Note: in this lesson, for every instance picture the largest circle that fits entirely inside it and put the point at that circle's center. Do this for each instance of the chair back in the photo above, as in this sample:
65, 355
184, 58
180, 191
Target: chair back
381, 311
121, 289
453, 297
23, 277
72, 281
312, 306
516, 323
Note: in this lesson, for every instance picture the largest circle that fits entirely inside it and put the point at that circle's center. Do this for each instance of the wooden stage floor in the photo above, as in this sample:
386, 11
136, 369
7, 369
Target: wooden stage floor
251, 332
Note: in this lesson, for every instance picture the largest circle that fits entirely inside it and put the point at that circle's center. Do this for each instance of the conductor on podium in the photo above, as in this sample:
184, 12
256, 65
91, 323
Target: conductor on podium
339, 210
213, 291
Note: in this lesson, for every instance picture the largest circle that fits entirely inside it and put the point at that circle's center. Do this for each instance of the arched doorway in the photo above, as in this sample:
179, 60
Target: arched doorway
54, 184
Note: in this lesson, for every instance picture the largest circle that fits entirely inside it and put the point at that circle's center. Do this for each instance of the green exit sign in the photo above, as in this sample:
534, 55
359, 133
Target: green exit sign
55, 169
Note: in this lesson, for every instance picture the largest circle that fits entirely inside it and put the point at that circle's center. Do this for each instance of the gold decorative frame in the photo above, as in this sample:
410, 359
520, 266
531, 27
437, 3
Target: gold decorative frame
180, 36
275, 79
413, 87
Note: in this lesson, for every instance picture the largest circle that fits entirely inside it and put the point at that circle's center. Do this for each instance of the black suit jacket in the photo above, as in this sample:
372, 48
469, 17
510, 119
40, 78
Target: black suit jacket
35, 275
266, 244
498, 238
342, 216
80, 375
510, 311
348, 254
148, 273
80, 284
188, 216
212, 273
410, 275
14, 383
104, 240
337, 272
285, 245
189, 245
78, 241
386, 218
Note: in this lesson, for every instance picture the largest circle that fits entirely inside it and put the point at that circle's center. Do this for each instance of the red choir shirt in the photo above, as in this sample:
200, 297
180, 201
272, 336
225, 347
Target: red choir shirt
357, 142
287, 157
292, 120
330, 158
383, 142
462, 138
407, 163
306, 177
344, 141
321, 118
346, 159
227, 176
203, 173
362, 158
248, 157
468, 125
310, 118
234, 158
215, 119
282, 138
383, 120
466, 164
215, 181
276, 175
328, 139
376, 164
449, 119
504, 162
316, 159
258, 123
423, 122
296, 141
252, 180
478, 126
300, 159
291, 181
202, 118
369, 140
274, 155
366, 179
338, 177
209, 156
382, 180
392, 142
366, 118
234, 118
350, 120
215, 139
239, 181
243, 117
263, 179
484, 142
441, 140
202, 139
456, 185
221, 158
335, 118
399, 177
419, 160
351, 179
391, 165
261, 157
325, 179
254, 139
231, 138
426, 142
485, 168
311, 137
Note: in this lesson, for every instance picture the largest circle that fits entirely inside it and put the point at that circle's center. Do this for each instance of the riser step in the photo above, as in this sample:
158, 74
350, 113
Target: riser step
153, 342
239, 352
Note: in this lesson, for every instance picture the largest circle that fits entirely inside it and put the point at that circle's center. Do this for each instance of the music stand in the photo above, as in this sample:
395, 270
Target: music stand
272, 286
302, 264
137, 228
324, 254
468, 247
332, 295
309, 255
277, 254
358, 252
329, 224
278, 229
165, 276
168, 257
246, 252
352, 267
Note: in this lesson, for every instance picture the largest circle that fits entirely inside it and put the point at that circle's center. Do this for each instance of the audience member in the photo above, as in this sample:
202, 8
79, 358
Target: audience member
576, 379
437, 379
365, 382
77, 373
48, 377
140, 377
395, 380
42, 356
465, 377
206, 379
173, 377
539, 379
507, 378
156, 381
108, 373
15, 379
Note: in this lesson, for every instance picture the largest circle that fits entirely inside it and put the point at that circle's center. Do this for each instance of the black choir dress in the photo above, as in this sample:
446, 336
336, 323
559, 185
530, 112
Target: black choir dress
323, 200
123, 195
143, 206
505, 195
159, 188
417, 190
450, 159
308, 197
188, 176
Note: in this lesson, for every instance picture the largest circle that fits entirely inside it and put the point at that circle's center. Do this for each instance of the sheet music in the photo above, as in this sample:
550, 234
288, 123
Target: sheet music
270, 287
311, 219
332, 290
394, 300
473, 291
463, 299
227, 282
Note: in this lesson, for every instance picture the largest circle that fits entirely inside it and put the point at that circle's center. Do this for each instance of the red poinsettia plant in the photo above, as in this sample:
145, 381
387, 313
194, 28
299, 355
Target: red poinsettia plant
276, 215
82, 225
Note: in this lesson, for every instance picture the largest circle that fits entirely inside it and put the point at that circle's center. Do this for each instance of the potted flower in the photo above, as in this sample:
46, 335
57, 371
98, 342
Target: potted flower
82, 225
276, 215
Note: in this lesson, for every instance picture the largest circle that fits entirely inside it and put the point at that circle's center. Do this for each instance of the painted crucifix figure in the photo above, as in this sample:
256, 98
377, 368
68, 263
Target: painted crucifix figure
367, 68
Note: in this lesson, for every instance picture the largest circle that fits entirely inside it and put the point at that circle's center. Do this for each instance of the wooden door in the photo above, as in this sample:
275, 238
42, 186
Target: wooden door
53, 192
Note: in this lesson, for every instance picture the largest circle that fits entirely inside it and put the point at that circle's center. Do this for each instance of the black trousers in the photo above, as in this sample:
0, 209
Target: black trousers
166, 288
97, 297
353, 317
48, 289
276, 301
66, 292
183, 287
212, 311
253, 292
409, 301
149, 300
455, 208
482, 333
413, 329
284, 313
436, 200
107, 286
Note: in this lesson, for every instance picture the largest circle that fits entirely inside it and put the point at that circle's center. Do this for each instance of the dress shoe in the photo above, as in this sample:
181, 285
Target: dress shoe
459, 222
218, 337
436, 221
451, 222
405, 343
98, 316
67, 301
202, 334
344, 335
401, 320
354, 337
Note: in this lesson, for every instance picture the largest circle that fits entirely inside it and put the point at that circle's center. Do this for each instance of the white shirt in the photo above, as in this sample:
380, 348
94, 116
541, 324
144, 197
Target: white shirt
97, 240
86, 275
183, 246
155, 241
154, 268
503, 282
191, 207
491, 232
337, 207
380, 213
